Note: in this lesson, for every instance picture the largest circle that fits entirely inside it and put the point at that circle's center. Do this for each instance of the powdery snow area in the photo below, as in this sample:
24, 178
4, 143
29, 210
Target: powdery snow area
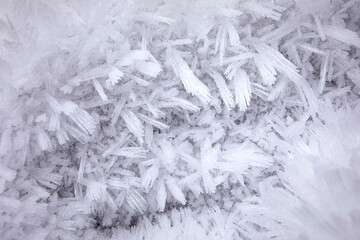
194, 119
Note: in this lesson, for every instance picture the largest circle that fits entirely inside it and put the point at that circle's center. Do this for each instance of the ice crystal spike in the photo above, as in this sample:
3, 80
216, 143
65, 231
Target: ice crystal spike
233, 34
153, 122
225, 93
191, 83
242, 89
118, 107
323, 72
130, 152
266, 69
161, 196
150, 176
311, 49
319, 27
82, 119
136, 200
175, 190
182, 103
265, 10
100, 90
133, 123
95, 191
342, 34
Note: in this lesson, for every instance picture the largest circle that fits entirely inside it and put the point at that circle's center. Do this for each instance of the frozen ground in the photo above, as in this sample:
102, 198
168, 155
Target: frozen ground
194, 119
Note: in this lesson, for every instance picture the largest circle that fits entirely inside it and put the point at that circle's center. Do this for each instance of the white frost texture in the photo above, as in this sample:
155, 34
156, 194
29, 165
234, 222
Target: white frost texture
179, 119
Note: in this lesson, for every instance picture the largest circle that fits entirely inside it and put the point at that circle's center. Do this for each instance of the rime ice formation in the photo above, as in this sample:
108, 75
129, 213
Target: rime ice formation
195, 119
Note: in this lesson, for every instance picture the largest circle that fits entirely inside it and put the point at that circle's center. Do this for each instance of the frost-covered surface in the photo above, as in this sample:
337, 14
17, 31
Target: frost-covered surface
172, 119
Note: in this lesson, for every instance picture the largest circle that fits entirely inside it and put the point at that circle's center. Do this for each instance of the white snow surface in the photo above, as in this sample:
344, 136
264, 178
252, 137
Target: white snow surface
168, 119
